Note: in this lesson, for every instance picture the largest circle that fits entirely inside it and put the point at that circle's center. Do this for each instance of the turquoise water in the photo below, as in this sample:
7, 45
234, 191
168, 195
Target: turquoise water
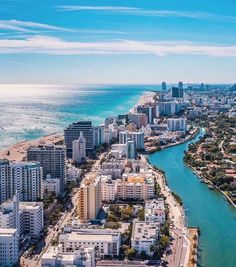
204, 208
31, 111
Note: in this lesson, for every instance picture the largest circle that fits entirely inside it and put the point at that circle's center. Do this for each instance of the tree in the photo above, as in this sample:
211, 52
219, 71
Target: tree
143, 255
164, 242
130, 253
112, 217
141, 214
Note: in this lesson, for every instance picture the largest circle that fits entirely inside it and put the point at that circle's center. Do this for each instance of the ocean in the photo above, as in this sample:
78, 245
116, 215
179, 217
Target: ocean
31, 111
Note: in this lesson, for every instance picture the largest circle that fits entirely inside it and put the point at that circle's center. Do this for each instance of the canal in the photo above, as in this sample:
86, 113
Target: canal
204, 208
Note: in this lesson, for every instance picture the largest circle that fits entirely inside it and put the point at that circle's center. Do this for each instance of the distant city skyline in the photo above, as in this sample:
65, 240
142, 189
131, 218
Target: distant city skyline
110, 42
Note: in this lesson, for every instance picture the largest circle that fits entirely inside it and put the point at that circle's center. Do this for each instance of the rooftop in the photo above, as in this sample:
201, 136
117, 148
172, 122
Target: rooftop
145, 230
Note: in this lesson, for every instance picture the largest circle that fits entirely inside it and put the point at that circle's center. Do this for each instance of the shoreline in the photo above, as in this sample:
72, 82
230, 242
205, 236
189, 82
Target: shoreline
200, 176
17, 151
189, 138
176, 211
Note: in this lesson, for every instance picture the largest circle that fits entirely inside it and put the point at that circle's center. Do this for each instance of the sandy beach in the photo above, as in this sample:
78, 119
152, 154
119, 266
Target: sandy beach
17, 152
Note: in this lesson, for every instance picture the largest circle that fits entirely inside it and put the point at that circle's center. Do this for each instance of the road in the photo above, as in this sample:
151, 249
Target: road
53, 232
180, 245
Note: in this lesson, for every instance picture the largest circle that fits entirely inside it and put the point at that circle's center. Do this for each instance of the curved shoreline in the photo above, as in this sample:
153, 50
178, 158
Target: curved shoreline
17, 151
215, 187
189, 138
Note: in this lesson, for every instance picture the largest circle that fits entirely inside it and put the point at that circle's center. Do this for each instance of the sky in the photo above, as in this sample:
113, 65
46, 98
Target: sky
117, 41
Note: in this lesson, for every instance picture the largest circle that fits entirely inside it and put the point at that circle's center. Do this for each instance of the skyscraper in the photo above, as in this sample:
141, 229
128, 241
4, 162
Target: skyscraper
130, 149
52, 159
72, 132
79, 149
178, 92
177, 124
23, 177
99, 135
148, 110
137, 136
89, 200
6, 189
163, 86
181, 85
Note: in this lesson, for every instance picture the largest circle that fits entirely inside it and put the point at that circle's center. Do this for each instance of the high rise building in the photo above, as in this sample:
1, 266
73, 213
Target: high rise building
181, 85
177, 124
130, 149
52, 159
110, 120
138, 119
137, 136
163, 86
166, 108
79, 149
26, 217
9, 247
89, 200
6, 186
178, 92
148, 110
23, 177
72, 132
99, 135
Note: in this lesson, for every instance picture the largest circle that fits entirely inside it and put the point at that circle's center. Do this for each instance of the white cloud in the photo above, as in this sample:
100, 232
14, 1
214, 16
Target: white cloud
99, 8
28, 26
56, 46
148, 12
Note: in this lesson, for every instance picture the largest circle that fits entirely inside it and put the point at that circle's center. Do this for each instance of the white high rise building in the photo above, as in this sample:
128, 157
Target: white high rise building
23, 177
26, 217
9, 247
79, 149
177, 124
130, 149
137, 136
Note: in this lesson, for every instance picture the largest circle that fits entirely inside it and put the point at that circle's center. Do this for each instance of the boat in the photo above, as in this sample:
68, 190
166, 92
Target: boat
201, 180
211, 187
206, 182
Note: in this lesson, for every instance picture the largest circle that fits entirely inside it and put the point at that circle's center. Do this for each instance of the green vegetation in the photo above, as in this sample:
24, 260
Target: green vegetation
213, 155
177, 198
120, 214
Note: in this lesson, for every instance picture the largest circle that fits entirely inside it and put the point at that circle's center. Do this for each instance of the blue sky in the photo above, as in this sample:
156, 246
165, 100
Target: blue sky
131, 41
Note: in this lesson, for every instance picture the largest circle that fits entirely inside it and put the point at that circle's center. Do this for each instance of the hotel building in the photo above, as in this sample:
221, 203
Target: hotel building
72, 132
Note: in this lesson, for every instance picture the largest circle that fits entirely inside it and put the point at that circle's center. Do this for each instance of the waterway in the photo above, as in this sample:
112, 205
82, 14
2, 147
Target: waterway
204, 208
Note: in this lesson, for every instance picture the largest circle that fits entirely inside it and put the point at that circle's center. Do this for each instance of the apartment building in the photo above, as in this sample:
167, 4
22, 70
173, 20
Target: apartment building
23, 177
135, 186
155, 210
89, 199
108, 188
144, 236
81, 257
106, 242
9, 247
52, 159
